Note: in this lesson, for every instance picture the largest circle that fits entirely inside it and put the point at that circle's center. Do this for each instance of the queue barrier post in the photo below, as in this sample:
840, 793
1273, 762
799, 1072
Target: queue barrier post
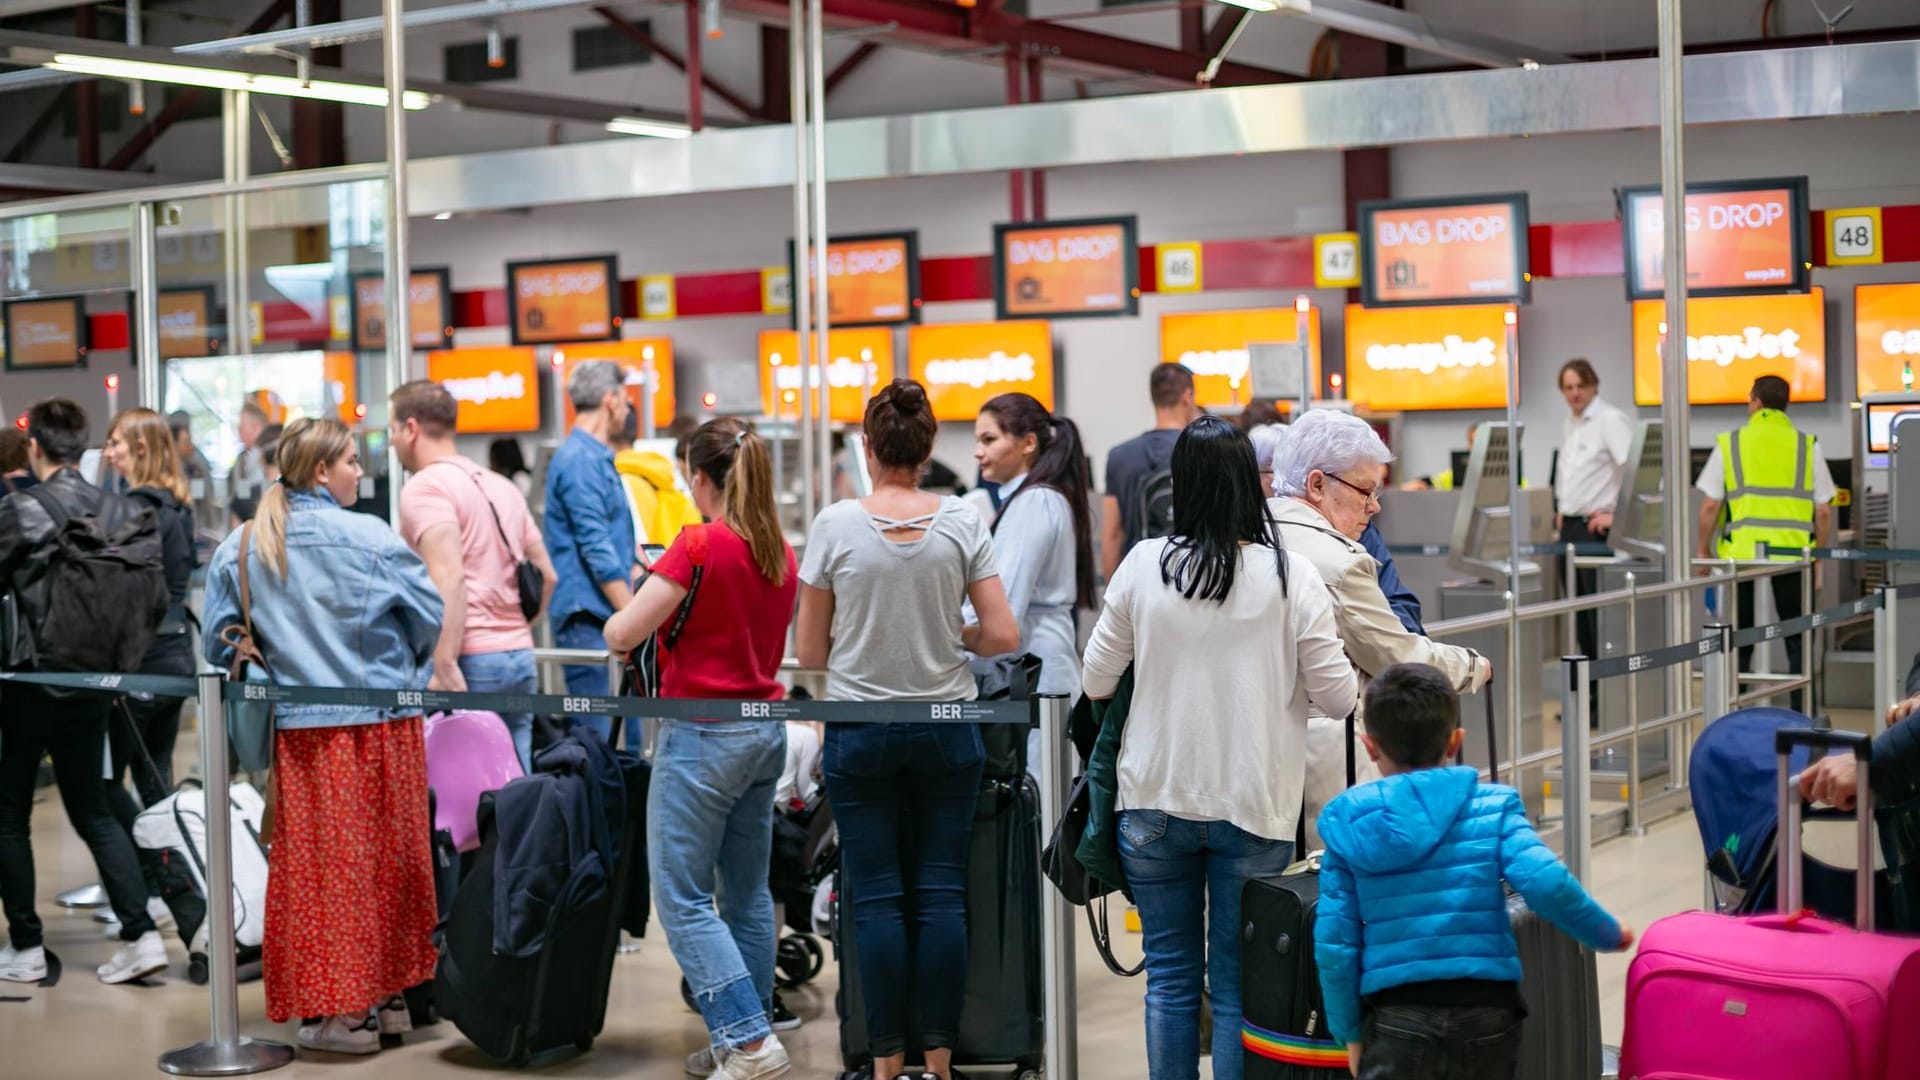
1718, 683
1059, 973
226, 1052
1576, 766
1887, 682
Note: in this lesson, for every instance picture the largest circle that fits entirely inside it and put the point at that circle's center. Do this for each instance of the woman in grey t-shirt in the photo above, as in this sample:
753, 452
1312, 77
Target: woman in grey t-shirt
882, 587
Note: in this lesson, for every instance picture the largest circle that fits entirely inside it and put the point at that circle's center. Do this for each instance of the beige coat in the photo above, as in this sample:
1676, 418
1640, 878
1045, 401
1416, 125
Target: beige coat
1374, 639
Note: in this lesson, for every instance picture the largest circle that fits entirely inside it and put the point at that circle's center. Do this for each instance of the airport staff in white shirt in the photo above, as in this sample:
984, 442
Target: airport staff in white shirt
1593, 459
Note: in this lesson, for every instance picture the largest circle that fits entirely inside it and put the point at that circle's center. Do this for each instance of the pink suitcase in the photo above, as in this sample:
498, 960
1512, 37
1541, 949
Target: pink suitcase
468, 754
1772, 997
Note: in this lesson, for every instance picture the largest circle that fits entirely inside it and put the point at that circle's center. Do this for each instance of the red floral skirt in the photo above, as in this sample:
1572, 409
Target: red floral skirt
350, 903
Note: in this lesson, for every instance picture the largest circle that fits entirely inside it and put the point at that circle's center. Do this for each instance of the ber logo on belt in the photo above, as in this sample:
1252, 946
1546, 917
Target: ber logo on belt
965, 365
1731, 341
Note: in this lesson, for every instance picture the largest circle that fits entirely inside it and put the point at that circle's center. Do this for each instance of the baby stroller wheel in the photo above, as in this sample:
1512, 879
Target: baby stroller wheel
798, 960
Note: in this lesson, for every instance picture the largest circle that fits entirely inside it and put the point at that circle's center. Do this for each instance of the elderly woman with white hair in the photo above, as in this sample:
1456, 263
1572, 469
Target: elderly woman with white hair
1267, 441
1328, 478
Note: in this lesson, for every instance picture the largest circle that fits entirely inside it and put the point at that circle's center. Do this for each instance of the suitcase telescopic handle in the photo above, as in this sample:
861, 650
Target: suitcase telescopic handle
1788, 869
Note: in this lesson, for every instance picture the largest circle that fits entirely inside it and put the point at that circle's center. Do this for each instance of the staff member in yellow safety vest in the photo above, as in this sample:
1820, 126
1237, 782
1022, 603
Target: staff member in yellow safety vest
1776, 490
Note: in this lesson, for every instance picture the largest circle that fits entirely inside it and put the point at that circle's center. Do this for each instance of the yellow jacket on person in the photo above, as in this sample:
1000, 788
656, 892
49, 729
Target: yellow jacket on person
660, 511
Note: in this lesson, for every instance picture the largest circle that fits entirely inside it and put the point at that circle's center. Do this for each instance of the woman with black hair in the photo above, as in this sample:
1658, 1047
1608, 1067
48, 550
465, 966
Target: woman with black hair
1043, 536
1212, 765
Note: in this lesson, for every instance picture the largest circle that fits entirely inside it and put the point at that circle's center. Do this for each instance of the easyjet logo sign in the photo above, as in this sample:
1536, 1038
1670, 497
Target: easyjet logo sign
1459, 352
1427, 357
493, 386
1751, 343
1731, 341
497, 388
1901, 342
963, 366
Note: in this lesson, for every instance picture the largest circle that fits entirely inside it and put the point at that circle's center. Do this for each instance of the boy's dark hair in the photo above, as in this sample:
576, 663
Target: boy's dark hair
60, 427
1168, 384
1772, 392
1411, 713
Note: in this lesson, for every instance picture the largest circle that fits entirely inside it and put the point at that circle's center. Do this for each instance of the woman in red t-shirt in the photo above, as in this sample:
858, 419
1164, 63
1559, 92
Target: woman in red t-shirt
710, 808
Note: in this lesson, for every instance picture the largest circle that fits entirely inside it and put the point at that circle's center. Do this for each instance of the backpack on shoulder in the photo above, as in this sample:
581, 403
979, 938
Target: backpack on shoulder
1153, 503
106, 589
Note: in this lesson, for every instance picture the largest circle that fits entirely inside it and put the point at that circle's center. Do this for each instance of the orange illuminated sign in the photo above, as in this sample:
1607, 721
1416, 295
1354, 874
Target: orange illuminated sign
1418, 358
1066, 268
430, 309
562, 300
1213, 345
1886, 337
184, 316
1733, 340
636, 356
871, 280
1470, 250
965, 365
861, 362
50, 332
497, 387
341, 370
1742, 238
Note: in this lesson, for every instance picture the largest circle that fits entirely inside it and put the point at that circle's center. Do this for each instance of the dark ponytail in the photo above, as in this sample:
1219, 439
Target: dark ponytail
900, 427
1059, 463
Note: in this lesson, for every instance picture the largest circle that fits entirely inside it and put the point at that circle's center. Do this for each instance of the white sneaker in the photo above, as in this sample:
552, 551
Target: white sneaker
23, 965
395, 1018
763, 1064
343, 1035
700, 1063
136, 960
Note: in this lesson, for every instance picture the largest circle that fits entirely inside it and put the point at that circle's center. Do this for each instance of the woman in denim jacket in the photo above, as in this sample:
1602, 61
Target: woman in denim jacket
338, 600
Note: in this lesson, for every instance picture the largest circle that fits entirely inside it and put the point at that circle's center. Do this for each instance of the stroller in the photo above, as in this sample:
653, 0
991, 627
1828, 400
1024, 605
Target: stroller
1734, 773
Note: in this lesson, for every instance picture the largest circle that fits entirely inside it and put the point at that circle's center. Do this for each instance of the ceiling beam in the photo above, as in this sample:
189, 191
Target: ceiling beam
640, 37
850, 65
159, 122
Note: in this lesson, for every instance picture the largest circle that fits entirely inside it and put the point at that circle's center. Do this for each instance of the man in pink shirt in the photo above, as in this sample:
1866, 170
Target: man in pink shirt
472, 527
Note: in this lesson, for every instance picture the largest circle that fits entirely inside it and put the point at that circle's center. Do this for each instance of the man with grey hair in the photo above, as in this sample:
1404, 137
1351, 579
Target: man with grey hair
588, 528
1328, 476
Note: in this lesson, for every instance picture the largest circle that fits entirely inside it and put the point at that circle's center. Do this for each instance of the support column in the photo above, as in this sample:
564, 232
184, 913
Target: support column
1016, 178
696, 93
1678, 530
1037, 178
86, 98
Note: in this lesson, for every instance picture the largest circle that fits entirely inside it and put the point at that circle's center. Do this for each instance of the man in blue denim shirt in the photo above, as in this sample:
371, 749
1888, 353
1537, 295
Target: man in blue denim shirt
588, 526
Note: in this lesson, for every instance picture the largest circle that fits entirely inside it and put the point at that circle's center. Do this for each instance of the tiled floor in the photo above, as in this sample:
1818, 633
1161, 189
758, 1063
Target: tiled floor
83, 1029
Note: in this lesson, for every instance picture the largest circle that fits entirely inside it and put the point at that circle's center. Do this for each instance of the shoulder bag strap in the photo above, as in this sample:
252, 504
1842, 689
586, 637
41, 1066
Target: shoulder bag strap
696, 537
498, 527
38, 493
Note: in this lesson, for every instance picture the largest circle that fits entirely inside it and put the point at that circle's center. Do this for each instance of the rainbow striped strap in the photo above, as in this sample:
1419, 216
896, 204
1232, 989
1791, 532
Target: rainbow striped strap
1292, 1049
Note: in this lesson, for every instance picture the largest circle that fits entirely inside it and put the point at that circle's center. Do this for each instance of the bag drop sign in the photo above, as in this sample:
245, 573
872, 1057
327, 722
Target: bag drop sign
563, 300
1445, 252
1066, 268
1740, 238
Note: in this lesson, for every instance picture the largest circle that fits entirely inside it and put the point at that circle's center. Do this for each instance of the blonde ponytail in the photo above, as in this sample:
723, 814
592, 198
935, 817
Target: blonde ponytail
305, 445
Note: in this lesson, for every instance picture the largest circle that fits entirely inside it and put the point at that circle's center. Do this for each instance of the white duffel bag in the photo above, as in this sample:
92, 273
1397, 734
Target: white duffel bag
179, 823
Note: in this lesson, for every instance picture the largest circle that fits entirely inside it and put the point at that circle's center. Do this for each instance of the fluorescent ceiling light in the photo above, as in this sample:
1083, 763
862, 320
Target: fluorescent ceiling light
1254, 5
105, 67
658, 129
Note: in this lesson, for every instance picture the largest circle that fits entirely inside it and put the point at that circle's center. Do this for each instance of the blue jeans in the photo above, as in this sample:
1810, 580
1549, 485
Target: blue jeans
709, 843
510, 672
590, 680
1186, 878
904, 798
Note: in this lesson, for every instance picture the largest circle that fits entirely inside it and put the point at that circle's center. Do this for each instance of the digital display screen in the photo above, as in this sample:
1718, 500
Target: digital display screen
430, 310
186, 317
1743, 238
1886, 337
48, 332
560, 300
872, 280
497, 388
1413, 359
1469, 250
1064, 269
965, 365
1733, 340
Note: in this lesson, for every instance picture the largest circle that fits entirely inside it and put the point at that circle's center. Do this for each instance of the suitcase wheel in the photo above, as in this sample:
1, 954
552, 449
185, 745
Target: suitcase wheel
583, 1044
799, 959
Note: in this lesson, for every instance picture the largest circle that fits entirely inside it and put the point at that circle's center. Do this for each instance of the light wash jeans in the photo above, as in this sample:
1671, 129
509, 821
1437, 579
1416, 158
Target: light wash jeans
709, 844
590, 680
1186, 878
510, 672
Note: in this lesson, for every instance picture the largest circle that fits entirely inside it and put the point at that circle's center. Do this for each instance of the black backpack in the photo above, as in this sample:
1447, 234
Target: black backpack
1153, 503
105, 587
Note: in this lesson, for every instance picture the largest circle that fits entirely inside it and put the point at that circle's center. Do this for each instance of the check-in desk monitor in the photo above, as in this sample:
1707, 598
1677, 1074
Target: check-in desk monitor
1482, 538
1639, 515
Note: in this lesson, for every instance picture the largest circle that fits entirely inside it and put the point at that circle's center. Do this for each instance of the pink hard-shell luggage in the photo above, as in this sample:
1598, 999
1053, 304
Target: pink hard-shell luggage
1718, 997
468, 754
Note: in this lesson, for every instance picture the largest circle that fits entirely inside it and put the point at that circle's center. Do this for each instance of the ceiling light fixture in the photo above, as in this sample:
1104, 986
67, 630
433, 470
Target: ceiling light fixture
1254, 5
105, 67
658, 129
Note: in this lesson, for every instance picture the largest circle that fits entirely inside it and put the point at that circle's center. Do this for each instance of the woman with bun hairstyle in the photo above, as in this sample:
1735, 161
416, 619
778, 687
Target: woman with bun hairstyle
883, 587
1043, 536
337, 599
710, 806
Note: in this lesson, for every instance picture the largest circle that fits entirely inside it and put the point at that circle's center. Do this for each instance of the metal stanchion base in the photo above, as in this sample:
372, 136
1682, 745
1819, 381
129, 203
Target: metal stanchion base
86, 896
238, 1059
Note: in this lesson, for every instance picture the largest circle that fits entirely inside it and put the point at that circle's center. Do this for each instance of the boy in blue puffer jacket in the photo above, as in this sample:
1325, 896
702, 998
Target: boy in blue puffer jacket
1417, 960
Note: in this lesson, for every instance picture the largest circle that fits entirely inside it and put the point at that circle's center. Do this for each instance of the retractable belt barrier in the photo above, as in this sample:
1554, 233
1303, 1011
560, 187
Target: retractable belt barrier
1755, 635
1588, 550
1654, 659
432, 701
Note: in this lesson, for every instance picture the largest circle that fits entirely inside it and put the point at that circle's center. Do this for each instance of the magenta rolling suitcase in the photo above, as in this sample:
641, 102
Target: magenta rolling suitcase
1717, 997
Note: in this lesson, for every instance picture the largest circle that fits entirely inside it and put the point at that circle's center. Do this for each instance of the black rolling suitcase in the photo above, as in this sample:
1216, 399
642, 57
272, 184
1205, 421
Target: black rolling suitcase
1000, 1020
514, 1008
1561, 987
